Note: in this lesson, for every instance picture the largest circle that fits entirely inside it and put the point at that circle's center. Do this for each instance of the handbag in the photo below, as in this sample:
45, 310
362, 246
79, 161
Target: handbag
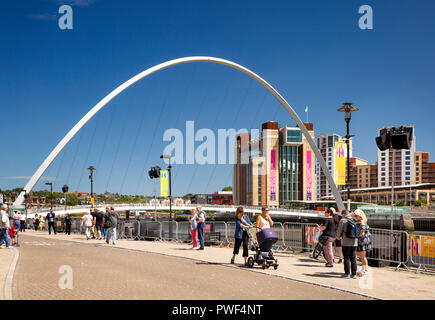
323, 239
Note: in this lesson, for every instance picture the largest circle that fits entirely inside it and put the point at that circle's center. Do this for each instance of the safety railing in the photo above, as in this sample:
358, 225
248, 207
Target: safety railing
421, 250
389, 246
150, 230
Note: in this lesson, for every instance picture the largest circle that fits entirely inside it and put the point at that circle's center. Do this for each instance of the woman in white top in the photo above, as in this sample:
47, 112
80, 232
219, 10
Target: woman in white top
264, 220
87, 224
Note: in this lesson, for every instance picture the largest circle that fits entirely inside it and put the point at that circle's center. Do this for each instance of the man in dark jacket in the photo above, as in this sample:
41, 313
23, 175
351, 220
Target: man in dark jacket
113, 217
51, 219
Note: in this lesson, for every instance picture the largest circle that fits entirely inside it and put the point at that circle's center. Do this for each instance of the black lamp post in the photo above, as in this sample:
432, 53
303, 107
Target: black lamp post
26, 197
65, 190
91, 172
51, 194
348, 108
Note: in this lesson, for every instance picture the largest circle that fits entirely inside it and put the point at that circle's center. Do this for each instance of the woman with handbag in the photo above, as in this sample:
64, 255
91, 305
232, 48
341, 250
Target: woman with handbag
193, 224
329, 233
364, 241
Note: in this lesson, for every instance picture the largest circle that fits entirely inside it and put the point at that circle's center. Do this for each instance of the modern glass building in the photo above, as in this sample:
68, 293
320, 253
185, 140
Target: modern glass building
281, 167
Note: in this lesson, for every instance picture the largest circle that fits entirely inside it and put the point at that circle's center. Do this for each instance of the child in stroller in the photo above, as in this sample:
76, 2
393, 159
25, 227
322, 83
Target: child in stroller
263, 256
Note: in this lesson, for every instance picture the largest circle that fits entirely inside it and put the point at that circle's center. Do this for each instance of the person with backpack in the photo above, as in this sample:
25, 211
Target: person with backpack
364, 241
201, 224
110, 224
193, 225
348, 234
87, 224
338, 244
329, 230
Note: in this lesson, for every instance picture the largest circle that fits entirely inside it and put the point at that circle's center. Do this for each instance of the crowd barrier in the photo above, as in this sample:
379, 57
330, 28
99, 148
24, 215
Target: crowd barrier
394, 247
421, 250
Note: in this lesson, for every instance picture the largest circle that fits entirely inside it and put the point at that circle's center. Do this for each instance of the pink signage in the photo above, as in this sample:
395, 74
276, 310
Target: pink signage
272, 174
309, 176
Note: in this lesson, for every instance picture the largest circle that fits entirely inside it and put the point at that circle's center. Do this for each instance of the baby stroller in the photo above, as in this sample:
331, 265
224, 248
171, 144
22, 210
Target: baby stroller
263, 249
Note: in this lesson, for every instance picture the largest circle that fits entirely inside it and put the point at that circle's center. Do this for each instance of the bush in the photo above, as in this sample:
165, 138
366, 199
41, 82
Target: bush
419, 203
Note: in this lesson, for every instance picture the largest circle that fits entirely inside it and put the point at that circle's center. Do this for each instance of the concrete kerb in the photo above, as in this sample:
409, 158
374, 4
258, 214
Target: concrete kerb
228, 266
10, 276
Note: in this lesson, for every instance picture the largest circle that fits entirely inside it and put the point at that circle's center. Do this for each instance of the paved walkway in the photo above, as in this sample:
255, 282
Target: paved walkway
382, 283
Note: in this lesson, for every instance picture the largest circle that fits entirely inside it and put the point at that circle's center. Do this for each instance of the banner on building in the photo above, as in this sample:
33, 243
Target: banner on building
272, 174
309, 176
340, 164
164, 183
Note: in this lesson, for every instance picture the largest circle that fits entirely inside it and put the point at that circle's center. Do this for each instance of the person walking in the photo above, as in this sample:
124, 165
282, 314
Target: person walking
105, 216
112, 222
94, 229
264, 220
364, 241
4, 226
338, 245
201, 224
328, 229
349, 243
22, 222
87, 224
193, 225
51, 219
68, 223
241, 235
99, 220
36, 222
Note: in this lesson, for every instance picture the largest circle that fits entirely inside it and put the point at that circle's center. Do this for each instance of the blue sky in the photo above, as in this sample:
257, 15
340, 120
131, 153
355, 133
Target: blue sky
312, 52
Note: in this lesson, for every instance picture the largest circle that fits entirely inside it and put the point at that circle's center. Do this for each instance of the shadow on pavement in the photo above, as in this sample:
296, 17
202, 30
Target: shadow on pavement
325, 275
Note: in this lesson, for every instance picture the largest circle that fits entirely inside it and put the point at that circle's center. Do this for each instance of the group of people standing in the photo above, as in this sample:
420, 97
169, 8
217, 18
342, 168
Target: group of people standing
351, 234
101, 225
97, 224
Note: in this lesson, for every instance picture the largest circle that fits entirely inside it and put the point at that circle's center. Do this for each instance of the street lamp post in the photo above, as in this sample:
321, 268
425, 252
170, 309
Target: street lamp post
51, 194
348, 108
65, 190
26, 197
91, 172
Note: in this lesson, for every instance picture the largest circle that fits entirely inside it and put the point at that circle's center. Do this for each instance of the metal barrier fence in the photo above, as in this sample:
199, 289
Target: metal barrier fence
299, 236
389, 246
421, 250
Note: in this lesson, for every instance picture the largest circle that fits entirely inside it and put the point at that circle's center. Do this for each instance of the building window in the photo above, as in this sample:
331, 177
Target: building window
407, 168
294, 136
407, 173
407, 158
408, 152
417, 158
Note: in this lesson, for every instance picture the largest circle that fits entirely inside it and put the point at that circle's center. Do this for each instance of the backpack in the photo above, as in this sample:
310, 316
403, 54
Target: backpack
108, 222
353, 229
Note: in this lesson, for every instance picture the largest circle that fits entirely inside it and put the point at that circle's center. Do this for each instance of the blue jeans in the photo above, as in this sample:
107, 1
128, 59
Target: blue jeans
4, 237
111, 233
200, 229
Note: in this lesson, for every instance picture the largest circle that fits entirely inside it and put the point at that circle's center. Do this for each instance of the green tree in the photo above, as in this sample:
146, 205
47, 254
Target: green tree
229, 188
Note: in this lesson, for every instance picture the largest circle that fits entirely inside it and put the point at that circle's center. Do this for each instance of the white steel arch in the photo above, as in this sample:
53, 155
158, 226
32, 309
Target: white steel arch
50, 158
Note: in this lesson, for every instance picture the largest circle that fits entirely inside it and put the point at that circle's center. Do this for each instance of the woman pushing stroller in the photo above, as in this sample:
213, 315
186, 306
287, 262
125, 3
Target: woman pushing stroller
241, 234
